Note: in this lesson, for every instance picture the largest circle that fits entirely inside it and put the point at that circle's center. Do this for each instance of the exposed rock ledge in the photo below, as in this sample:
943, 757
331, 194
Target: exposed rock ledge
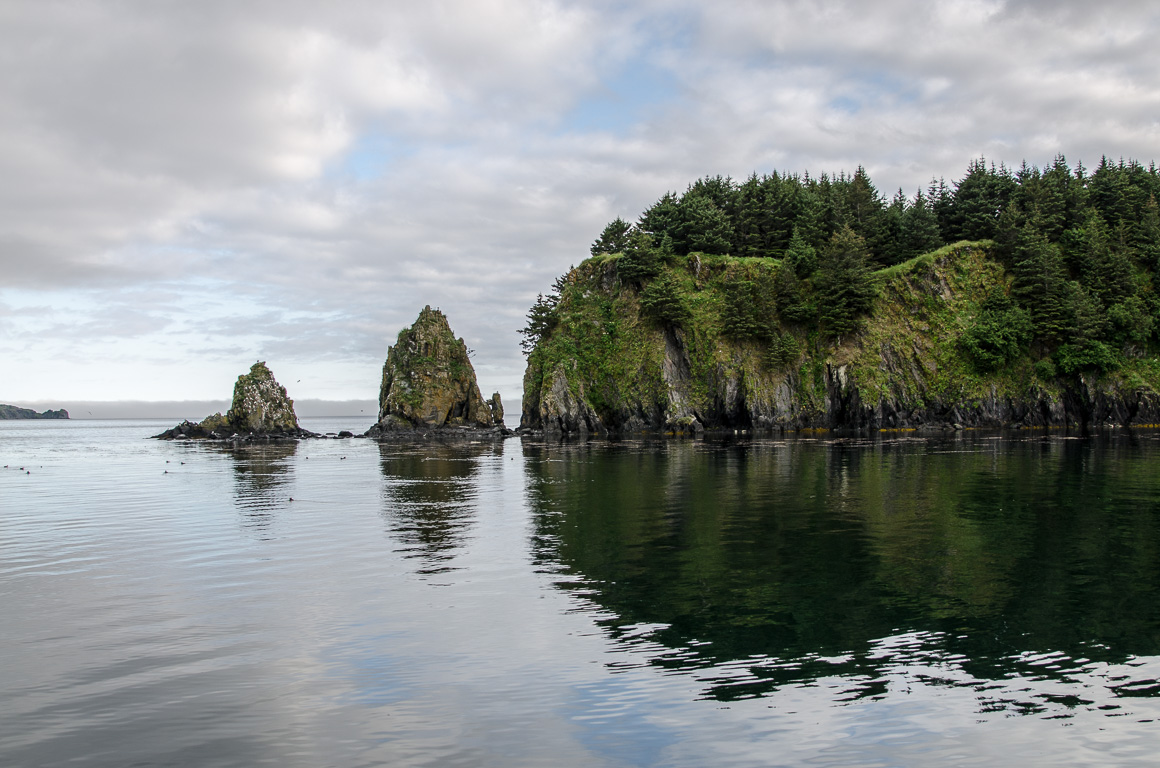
563, 410
261, 410
429, 389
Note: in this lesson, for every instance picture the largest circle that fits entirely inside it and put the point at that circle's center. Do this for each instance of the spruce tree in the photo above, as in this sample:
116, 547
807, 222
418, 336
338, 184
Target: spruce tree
614, 238
920, 232
542, 318
662, 299
703, 226
792, 303
1042, 285
801, 255
641, 260
748, 229
845, 289
662, 218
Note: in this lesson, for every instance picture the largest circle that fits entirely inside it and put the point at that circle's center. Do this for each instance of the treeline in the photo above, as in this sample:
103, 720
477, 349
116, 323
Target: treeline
1082, 249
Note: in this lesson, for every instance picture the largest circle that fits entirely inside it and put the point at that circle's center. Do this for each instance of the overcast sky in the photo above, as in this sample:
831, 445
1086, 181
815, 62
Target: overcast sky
189, 187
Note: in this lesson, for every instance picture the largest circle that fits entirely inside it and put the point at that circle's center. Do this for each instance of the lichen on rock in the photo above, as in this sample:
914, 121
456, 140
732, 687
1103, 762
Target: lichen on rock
429, 383
261, 404
260, 409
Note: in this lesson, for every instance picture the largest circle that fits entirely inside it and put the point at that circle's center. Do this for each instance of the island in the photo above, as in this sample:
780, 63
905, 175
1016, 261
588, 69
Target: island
429, 389
14, 412
261, 410
1015, 298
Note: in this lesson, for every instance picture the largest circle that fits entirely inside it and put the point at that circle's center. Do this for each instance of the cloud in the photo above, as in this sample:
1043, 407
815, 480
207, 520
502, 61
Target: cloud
211, 183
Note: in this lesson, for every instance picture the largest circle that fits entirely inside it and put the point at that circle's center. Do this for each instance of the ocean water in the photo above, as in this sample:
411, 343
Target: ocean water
979, 599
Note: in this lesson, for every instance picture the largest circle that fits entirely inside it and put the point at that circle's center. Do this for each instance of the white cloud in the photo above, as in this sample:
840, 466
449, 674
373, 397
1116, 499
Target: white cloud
199, 185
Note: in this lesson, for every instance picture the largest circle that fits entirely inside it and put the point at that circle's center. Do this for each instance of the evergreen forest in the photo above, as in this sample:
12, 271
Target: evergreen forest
1081, 250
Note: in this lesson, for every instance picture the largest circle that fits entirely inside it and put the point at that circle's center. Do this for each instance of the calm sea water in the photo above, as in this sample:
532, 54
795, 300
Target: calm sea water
979, 600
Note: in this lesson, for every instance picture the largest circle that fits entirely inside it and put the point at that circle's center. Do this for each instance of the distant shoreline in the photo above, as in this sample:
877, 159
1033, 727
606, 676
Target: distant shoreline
13, 412
177, 410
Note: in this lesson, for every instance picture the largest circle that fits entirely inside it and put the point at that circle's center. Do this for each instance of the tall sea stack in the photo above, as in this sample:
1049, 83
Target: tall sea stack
429, 384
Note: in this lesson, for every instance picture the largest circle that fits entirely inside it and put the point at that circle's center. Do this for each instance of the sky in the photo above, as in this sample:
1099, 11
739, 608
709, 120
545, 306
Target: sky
186, 188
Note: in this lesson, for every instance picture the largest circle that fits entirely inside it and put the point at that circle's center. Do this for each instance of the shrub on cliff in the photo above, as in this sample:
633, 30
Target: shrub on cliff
662, 299
641, 260
750, 311
999, 334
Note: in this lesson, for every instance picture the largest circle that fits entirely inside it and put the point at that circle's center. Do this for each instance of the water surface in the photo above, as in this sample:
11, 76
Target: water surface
981, 599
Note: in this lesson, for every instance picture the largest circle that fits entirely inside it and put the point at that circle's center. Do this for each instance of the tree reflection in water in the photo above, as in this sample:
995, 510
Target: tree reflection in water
429, 499
961, 561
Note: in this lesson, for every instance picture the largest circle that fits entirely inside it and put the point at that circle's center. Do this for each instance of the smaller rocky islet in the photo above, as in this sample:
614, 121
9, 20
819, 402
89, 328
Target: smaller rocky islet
428, 391
261, 410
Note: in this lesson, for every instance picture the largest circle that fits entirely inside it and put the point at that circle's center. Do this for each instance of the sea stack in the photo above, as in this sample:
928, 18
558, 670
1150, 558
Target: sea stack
429, 385
261, 409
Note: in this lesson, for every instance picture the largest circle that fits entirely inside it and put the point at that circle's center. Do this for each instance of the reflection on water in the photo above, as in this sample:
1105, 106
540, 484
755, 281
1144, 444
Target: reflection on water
1025, 569
262, 478
429, 498
966, 601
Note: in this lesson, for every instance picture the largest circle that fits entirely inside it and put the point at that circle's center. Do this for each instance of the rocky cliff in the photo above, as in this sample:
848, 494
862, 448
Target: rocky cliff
13, 412
429, 384
261, 409
608, 366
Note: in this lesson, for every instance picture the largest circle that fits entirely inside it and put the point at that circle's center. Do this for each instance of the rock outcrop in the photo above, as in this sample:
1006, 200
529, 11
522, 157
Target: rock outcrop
606, 367
13, 412
429, 385
261, 410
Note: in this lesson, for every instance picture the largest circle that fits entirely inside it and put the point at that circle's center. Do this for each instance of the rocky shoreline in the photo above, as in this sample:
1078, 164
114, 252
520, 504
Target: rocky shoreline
1083, 406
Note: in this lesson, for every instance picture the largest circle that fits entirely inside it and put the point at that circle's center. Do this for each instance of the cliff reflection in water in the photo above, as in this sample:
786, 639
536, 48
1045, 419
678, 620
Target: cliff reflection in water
429, 497
961, 562
262, 477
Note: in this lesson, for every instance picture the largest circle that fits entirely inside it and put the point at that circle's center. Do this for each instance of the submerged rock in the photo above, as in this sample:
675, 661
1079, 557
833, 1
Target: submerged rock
429, 386
261, 409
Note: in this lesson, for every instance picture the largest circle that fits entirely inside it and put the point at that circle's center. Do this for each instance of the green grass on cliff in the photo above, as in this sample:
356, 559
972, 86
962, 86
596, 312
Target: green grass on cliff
908, 349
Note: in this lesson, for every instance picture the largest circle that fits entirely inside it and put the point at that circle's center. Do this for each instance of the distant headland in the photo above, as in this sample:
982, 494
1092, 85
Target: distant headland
13, 412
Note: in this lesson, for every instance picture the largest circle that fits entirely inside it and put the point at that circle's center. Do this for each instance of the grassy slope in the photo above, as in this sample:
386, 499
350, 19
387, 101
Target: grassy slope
907, 351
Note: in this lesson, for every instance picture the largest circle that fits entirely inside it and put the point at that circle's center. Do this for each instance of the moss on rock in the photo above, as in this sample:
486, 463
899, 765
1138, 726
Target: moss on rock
260, 408
609, 366
429, 382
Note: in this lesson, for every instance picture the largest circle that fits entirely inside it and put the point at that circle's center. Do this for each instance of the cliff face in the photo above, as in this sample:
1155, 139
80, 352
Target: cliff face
429, 382
609, 367
260, 408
